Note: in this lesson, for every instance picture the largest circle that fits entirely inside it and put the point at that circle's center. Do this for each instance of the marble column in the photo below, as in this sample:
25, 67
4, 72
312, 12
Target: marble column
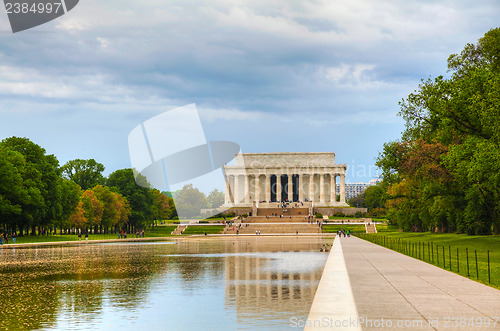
278, 187
289, 187
301, 192
257, 188
247, 189
322, 188
311, 186
236, 196
227, 199
268, 187
342, 188
333, 189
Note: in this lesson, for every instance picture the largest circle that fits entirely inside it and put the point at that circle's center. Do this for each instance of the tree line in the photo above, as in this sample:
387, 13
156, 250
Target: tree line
39, 196
443, 174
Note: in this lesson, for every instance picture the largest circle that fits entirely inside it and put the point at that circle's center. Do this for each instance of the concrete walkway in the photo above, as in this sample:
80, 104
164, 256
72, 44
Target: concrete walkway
391, 291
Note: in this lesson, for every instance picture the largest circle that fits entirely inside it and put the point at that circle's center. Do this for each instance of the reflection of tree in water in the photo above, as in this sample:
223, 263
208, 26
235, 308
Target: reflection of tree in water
40, 284
81, 299
29, 306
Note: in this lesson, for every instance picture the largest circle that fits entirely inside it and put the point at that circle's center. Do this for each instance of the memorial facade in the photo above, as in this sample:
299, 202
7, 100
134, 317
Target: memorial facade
294, 177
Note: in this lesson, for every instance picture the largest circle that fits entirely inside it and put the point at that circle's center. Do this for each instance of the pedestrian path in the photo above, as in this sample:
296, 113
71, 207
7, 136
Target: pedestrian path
393, 291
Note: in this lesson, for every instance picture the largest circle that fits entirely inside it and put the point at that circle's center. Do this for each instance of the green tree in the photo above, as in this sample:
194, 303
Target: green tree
41, 178
115, 207
93, 208
358, 201
189, 201
161, 205
86, 173
14, 193
215, 199
140, 198
172, 211
444, 173
69, 194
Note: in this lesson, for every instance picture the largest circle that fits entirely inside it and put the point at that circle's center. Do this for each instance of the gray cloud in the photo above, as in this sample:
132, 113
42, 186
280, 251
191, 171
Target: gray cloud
259, 71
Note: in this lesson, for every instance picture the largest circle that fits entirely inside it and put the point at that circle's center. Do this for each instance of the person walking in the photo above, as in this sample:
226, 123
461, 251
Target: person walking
87, 236
14, 237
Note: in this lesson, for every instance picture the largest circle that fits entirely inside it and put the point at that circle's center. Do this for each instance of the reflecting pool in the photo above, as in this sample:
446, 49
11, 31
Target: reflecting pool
194, 284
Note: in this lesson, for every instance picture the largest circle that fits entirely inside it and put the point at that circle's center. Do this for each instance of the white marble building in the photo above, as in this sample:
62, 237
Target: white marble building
271, 177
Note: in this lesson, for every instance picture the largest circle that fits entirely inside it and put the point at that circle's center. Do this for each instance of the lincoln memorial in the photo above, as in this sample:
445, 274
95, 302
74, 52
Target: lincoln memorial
294, 177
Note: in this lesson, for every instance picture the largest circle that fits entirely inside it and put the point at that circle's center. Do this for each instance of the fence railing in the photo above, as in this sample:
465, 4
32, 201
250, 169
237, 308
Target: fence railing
470, 263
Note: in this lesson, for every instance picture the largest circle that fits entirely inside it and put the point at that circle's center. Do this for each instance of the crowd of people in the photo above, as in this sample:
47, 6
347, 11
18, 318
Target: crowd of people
4, 237
344, 232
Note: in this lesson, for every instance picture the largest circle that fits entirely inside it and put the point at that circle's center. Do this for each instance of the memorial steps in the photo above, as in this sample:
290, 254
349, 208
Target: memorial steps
270, 228
178, 231
275, 219
294, 220
289, 211
370, 228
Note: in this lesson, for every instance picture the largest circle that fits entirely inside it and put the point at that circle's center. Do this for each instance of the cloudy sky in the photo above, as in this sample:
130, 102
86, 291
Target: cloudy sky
270, 75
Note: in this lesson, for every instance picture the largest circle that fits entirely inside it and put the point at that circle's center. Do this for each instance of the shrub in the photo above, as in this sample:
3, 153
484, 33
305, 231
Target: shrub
339, 214
244, 215
358, 214
319, 215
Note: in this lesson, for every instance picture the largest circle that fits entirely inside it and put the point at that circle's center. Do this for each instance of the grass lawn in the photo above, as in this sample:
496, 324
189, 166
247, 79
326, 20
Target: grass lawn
343, 217
202, 229
386, 228
332, 228
166, 222
160, 231
218, 219
448, 251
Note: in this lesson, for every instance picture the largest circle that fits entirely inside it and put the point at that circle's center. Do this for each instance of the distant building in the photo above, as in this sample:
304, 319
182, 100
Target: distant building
353, 189
374, 181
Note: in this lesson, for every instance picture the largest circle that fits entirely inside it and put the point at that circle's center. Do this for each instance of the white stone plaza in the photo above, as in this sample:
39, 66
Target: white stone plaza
294, 177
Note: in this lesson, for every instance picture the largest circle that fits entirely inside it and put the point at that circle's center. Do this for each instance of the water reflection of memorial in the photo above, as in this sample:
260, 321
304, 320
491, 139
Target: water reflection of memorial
281, 281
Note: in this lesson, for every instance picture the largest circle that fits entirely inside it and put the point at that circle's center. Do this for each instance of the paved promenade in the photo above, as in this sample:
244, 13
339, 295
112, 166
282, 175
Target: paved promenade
390, 291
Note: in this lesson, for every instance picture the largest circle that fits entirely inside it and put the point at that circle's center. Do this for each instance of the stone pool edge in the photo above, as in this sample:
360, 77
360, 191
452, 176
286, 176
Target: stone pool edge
333, 306
86, 242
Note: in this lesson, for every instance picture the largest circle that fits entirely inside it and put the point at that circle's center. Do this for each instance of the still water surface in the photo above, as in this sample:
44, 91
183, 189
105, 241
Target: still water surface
196, 284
